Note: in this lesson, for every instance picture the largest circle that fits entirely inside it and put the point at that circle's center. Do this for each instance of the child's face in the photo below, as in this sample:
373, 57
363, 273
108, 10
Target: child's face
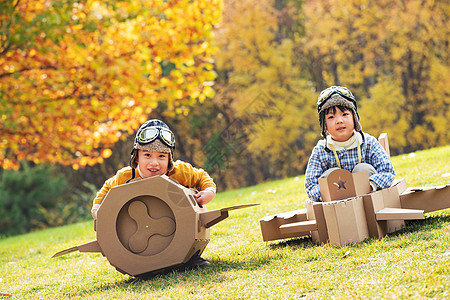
340, 124
152, 163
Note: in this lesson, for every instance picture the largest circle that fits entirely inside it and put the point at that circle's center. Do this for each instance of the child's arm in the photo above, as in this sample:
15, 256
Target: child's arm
101, 194
313, 171
196, 178
205, 196
382, 164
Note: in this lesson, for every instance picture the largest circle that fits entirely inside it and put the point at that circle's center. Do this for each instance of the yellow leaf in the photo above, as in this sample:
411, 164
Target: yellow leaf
106, 153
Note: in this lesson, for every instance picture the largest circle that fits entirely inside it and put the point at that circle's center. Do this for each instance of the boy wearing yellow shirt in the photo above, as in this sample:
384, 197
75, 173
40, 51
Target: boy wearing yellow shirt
152, 155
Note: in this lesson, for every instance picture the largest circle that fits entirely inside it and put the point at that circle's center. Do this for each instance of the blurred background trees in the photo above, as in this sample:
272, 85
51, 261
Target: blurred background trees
76, 76
395, 57
237, 81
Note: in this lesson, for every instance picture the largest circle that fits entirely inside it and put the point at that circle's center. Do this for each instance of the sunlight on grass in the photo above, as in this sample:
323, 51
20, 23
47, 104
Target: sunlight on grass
412, 263
424, 168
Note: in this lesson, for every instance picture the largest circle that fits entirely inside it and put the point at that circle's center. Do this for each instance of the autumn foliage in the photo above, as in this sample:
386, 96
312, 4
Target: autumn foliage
275, 57
77, 75
395, 56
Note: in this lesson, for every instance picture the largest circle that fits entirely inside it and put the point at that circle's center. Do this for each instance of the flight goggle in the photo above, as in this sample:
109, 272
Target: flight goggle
152, 133
327, 93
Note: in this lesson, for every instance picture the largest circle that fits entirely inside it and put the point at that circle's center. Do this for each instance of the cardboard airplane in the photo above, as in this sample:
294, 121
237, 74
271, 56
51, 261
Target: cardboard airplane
151, 224
351, 213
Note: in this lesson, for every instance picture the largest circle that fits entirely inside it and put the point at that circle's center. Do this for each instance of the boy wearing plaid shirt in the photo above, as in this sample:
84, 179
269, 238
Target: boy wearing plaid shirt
345, 145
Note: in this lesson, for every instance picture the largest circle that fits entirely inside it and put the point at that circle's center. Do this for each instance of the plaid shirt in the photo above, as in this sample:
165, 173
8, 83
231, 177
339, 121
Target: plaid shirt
372, 152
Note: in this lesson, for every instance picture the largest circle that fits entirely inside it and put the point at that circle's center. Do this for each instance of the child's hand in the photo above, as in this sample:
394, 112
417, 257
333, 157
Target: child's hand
203, 197
94, 210
373, 186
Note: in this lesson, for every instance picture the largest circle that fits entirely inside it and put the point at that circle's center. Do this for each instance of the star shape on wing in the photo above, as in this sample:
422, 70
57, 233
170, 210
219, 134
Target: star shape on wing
340, 184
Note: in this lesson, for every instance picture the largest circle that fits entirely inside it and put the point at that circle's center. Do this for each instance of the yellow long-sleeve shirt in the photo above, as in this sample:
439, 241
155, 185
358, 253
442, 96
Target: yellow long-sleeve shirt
183, 172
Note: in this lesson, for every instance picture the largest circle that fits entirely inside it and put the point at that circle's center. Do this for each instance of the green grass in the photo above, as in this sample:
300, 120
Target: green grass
412, 263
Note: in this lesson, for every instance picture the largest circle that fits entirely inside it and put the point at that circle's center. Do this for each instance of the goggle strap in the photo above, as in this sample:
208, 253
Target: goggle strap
322, 102
343, 91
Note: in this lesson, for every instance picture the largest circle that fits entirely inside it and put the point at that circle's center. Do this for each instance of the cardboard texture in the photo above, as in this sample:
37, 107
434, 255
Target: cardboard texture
399, 214
400, 185
342, 184
391, 199
346, 221
315, 212
384, 213
271, 225
305, 226
151, 224
383, 140
372, 203
426, 198
351, 212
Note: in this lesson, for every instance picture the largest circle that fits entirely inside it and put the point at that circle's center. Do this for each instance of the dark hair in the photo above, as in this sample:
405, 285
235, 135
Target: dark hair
342, 108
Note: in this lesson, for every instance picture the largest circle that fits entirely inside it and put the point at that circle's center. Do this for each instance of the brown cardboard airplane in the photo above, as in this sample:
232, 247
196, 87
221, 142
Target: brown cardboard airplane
151, 224
350, 213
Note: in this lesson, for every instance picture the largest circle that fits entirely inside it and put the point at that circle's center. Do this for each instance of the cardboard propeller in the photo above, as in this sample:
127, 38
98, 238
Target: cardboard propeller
151, 224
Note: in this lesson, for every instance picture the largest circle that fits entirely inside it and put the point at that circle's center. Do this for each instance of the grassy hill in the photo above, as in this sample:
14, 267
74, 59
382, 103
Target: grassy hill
412, 263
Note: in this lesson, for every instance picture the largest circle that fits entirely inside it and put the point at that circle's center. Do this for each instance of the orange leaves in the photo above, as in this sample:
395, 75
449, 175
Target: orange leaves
106, 153
71, 90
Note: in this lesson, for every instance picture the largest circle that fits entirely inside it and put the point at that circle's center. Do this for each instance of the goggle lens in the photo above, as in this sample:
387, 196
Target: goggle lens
327, 93
149, 134
167, 136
